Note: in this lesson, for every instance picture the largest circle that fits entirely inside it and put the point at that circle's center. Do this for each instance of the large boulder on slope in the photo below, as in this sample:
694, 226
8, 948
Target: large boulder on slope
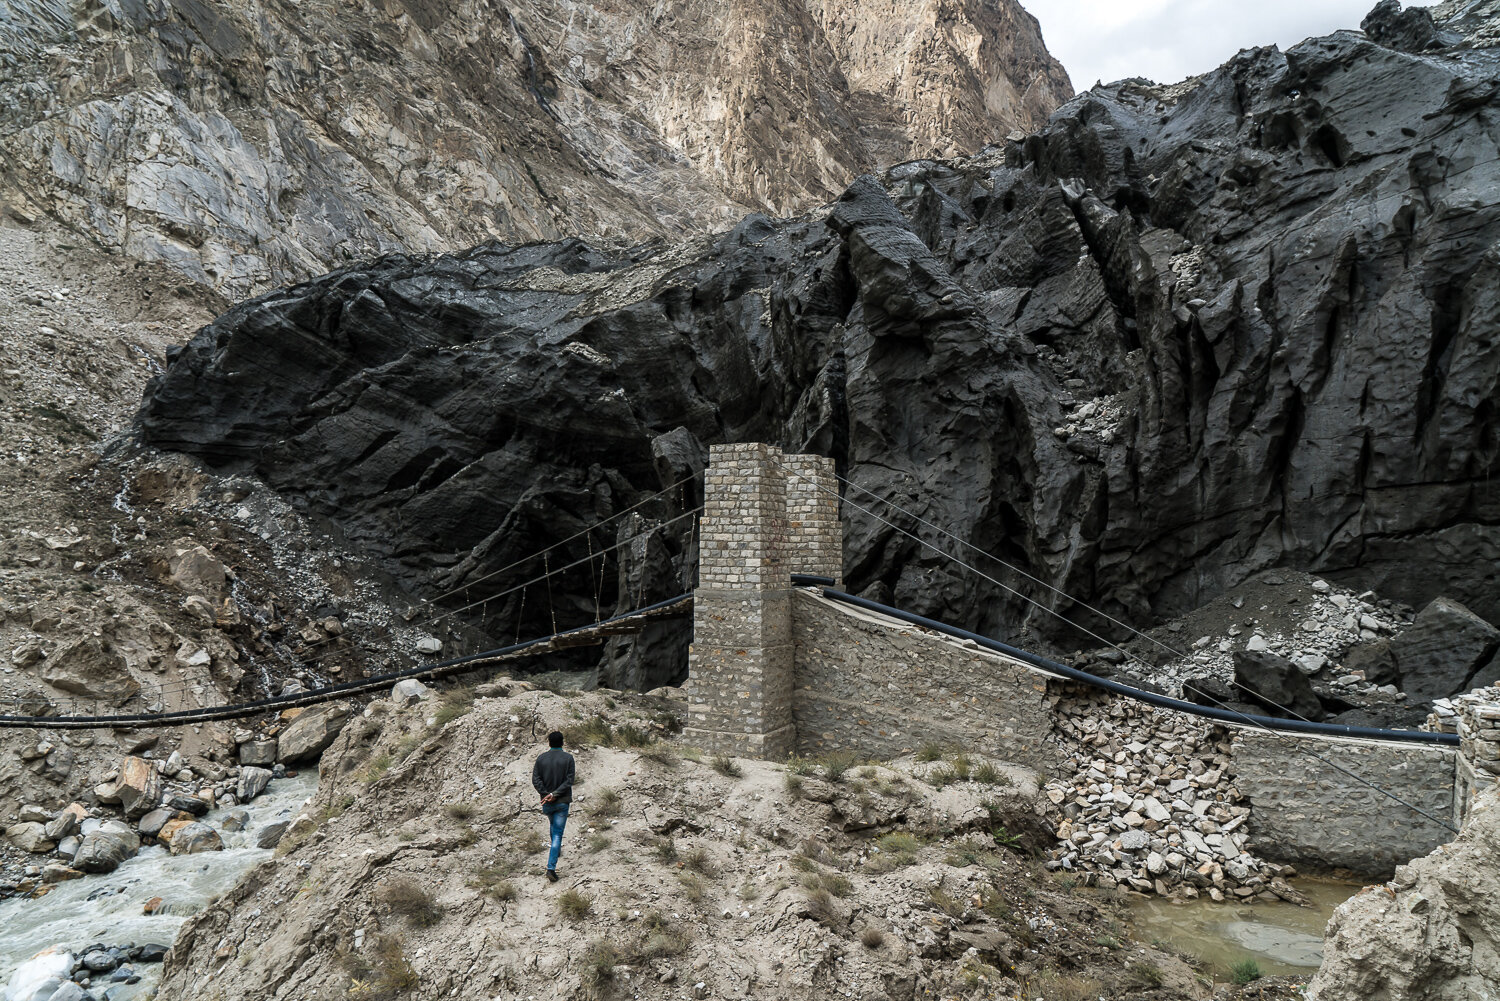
1431, 934
1442, 650
1276, 684
310, 733
138, 787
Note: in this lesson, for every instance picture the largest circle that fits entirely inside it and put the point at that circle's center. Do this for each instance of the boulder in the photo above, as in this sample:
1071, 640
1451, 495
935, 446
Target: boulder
236, 819
191, 838
151, 824
104, 850
1443, 648
67, 821
93, 668
187, 804
1276, 684
138, 787
270, 836
261, 753
253, 782
311, 732
1375, 659
30, 836
409, 691
196, 571
1431, 934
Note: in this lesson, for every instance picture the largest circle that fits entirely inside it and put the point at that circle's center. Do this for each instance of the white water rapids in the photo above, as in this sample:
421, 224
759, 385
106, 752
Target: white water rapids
108, 909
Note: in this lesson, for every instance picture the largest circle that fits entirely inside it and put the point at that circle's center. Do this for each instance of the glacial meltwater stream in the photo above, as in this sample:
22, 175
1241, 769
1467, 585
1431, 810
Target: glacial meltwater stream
109, 908
1282, 938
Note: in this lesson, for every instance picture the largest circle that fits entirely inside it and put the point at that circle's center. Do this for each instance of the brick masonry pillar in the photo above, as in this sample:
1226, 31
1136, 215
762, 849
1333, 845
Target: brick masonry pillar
815, 535
739, 683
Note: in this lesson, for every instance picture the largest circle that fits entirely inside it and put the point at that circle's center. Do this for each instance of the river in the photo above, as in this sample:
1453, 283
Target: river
109, 908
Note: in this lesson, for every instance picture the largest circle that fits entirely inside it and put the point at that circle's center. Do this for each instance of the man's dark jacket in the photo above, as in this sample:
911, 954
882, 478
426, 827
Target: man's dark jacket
553, 773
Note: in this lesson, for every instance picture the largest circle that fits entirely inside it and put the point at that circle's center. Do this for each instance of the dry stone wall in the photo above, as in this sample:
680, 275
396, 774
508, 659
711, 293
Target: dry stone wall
883, 688
1303, 809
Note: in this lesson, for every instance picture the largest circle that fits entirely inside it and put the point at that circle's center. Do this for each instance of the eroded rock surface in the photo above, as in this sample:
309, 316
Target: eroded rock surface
1179, 336
245, 144
1430, 934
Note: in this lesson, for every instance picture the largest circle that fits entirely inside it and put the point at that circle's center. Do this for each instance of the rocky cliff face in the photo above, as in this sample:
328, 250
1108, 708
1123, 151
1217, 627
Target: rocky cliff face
1180, 335
247, 143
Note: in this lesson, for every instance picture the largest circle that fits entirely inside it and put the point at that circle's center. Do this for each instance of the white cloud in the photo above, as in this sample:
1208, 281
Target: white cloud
1170, 40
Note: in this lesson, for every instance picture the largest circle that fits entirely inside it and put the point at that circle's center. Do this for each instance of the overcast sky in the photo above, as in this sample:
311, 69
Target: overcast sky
1170, 40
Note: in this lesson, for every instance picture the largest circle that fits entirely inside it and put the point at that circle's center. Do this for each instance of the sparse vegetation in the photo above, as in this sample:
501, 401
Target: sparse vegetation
872, 937
384, 975
597, 843
593, 732
1245, 971
821, 908
986, 773
698, 860
946, 902
929, 752
897, 849
725, 765
1143, 974
597, 968
660, 754
378, 766
409, 899
573, 905
836, 765
693, 886
494, 881
794, 784
605, 803
835, 883
532, 842
452, 704
461, 811
630, 735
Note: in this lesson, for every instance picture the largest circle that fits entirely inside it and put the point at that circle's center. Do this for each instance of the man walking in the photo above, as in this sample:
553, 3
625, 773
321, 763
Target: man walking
552, 776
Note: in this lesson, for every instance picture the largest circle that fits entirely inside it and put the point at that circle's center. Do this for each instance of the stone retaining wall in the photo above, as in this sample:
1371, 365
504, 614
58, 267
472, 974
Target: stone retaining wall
883, 689
1306, 811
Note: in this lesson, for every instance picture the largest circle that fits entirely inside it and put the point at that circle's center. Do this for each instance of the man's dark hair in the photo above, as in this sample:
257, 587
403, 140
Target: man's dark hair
554, 739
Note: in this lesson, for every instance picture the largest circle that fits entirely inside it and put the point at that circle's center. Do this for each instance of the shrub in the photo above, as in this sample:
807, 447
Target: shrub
725, 765
590, 733
660, 754
1146, 975
597, 969
573, 905
946, 902
630, 735
493, 881
872, 937
800, 766
597, 842
407, 898
794, 784
820, 908
666, 850
378, 766
452, 704
461, 811
698, 860
606, 803
961, 766
1245, 971
837, 764
987, 773
941, 777
692, 886
897, 849
532, 842
384, 976
835, 883
929, 752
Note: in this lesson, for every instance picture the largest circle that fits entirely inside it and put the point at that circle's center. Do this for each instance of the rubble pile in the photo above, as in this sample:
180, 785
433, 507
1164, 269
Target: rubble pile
1150, 804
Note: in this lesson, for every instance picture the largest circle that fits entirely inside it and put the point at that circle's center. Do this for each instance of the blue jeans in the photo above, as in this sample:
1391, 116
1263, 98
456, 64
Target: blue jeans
557, 816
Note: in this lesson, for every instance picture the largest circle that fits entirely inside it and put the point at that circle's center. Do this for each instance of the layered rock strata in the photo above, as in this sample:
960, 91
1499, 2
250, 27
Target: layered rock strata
247, 144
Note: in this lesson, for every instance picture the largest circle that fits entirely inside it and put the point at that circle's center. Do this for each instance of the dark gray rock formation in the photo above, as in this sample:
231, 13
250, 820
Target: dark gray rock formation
1443, 649
1181, 335
1276, 684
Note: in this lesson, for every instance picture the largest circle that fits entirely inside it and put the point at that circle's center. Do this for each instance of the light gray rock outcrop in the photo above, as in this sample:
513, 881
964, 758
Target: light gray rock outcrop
1431, 934
310, 733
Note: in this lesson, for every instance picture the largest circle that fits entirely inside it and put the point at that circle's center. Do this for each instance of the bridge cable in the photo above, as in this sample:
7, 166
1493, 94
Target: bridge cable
1279, 736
